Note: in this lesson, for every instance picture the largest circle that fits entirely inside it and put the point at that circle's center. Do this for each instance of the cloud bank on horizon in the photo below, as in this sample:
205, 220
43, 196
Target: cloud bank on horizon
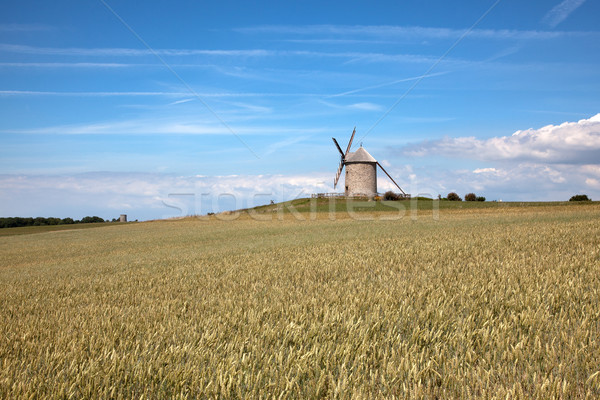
548, 163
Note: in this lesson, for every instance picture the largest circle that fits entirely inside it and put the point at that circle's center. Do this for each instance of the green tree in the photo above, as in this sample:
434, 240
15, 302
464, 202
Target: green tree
89, 220
470, 197
580, 197
452, 196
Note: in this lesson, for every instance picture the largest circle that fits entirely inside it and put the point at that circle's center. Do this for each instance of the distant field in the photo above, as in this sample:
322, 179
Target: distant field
26, 230
493, 302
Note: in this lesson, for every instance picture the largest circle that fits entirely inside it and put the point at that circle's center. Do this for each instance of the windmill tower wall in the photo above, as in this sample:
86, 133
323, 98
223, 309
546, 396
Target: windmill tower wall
361, 179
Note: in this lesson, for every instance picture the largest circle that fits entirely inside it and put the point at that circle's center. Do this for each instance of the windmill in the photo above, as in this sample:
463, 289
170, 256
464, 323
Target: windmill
361, 171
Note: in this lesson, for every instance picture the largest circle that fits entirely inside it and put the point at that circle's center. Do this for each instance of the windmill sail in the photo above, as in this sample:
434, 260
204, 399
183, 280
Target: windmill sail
337, 175
350, 142
338, 147
344, 155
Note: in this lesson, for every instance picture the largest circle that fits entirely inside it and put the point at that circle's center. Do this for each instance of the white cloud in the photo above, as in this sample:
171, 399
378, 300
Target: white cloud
561, 11
550, 163
570, 143
592, 182
518, 182
485, 171
146, 195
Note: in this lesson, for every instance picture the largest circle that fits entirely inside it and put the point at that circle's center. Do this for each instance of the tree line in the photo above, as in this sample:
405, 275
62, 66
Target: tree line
14, 222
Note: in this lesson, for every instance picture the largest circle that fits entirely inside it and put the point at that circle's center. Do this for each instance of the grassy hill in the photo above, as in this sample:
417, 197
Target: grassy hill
500, 301
327, 207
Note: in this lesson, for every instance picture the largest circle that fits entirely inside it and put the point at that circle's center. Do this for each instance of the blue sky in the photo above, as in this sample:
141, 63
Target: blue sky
113, 107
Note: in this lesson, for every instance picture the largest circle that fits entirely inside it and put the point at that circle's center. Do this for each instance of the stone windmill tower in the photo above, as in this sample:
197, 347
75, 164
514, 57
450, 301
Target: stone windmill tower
361, 171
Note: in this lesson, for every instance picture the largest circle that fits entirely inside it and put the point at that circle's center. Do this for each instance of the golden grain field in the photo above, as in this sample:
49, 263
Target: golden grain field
501, 303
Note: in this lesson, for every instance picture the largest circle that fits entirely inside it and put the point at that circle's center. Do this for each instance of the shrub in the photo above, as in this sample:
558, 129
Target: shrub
580, 197
453, 197
480, 198
470, 197
389, 195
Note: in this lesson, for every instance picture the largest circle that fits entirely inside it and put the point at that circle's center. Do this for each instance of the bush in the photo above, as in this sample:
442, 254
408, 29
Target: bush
480, 198
389, 195
580, 197
470, 197
453, 197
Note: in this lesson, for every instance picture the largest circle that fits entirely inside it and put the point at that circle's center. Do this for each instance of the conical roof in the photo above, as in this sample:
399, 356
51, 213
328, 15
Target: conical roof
360, 155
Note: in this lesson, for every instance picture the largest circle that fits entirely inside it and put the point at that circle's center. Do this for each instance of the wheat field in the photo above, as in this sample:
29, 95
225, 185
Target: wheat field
476, 303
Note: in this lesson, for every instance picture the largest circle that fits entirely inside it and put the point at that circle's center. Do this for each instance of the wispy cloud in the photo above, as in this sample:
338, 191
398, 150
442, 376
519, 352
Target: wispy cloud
408, 32
335, 41
137, 127
180, 94
70, 65
365, 56
121, 52
274, 147
23, 49
365, 107
362, 106
24, 27
151, 94
181, 101
561, 11
253, 108
88, 94
157, 126
387, 84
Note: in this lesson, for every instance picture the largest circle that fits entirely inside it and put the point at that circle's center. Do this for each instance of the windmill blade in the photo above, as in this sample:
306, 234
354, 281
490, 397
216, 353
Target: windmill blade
392, 179
350, 142
338, 147
337, 175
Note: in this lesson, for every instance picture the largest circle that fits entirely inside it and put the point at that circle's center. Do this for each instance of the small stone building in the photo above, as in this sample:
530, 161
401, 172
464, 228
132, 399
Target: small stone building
361, 174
